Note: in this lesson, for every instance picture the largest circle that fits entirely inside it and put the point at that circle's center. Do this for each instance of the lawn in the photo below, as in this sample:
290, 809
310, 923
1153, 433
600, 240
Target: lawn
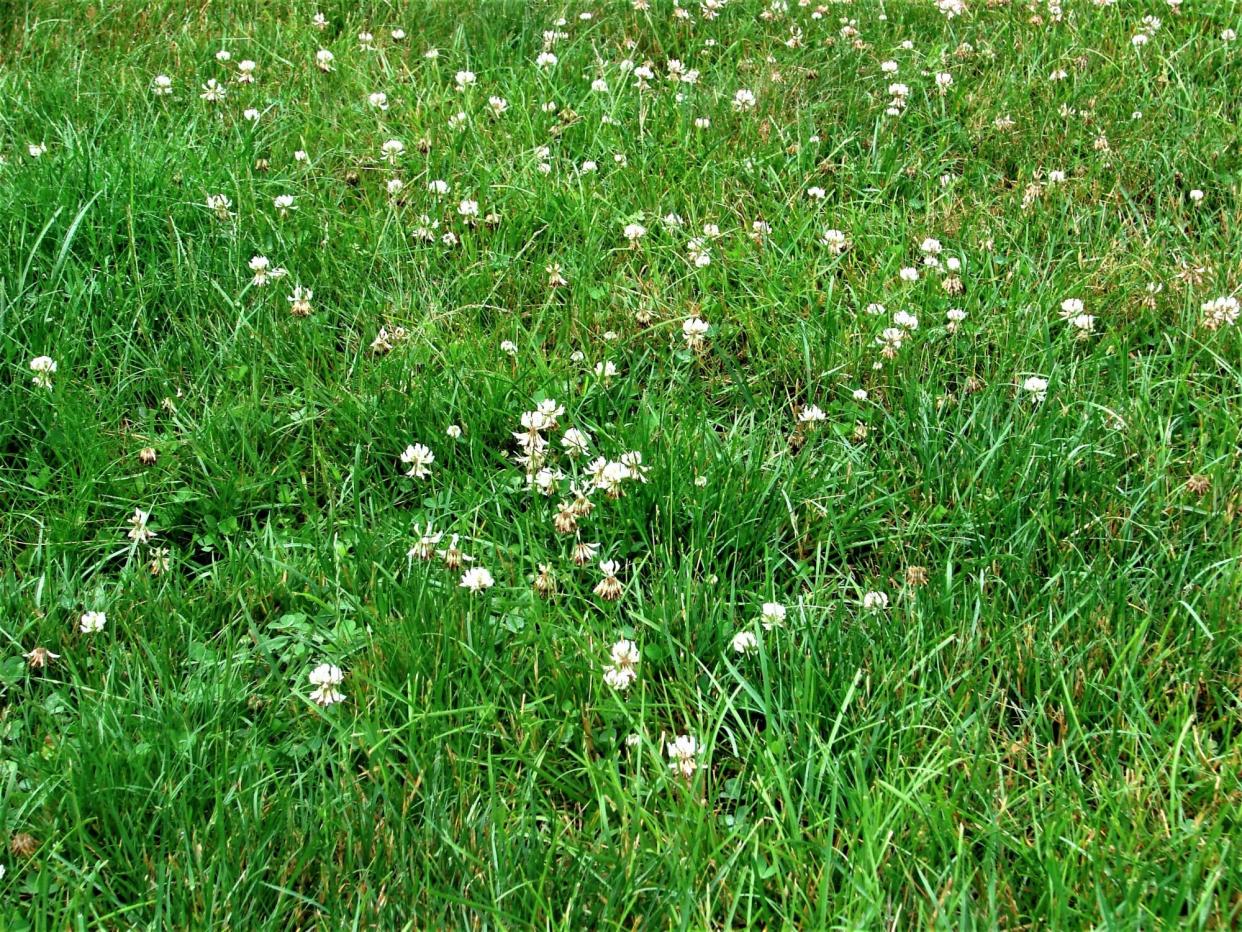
507, 465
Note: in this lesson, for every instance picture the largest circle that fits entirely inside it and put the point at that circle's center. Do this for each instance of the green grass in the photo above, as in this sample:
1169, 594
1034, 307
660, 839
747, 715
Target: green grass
1040, 730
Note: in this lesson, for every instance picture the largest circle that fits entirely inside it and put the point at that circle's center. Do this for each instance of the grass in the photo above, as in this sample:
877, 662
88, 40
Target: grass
1040, 728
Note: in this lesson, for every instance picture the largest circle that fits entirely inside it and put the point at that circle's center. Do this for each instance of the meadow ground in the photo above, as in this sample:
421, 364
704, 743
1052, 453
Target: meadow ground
506, 465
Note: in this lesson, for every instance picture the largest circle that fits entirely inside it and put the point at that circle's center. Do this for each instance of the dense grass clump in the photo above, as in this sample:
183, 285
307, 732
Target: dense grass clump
626, 464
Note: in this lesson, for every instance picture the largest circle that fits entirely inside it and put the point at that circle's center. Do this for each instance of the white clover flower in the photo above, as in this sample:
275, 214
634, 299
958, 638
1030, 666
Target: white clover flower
575, 442
392, 150
1083, 323
694, 329
697, 252
772, 615
453, 556
378, 100
324, 59
418, 457
812, 414
138, 530
683, 753
159, 561
875, 601
213, 91
623, 670
161, 85
1220, 312
476, 579
633, 461
836, 241
468, 208
545, 60
425, 549
92, 622
261, 267
245, 71
325, 678
634, 232
599, 85
465, 79
545, 480
619, 679
498, 105
891, 339
585, 552
300, 301
745, 642
283, 204
909, 274
509, 347
38, 659
251, 115
454, 432
219, 204
815, 193
1036, 387
744, 100
611, 476
43, 367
